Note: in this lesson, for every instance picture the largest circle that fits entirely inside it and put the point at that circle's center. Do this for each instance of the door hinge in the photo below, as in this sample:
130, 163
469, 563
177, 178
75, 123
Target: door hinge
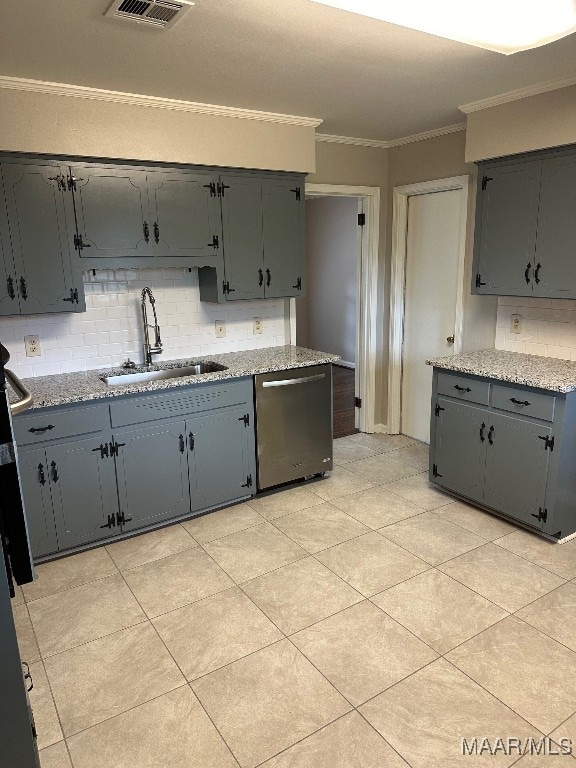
485, 180
548, 442
111, 522
103, 448
542, 515
435, 471
479, 281
357, 402
361, 219
297, 192
121, 519
114, 448
438, 409
226, 288
245, 419
248, 483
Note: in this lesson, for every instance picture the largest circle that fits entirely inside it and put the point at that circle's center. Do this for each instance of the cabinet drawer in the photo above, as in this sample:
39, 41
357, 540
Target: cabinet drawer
522, 401
463, 387
42, 426
175, 403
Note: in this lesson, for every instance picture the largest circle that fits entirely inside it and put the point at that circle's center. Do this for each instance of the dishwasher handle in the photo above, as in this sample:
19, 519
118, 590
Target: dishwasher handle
289, 382
24, 395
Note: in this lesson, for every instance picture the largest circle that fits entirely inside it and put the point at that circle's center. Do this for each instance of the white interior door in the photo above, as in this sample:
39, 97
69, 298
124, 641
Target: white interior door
433, 252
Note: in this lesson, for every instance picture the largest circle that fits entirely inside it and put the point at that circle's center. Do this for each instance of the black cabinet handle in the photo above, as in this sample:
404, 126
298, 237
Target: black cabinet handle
181, 438
41, 475
260, 278
482, 428
10, 287
23, 288
519, 402
268, 278
537, 273
490, 433
47, 428
192, 442
55, 475
527, 272
146, 232
462, 389
156, 232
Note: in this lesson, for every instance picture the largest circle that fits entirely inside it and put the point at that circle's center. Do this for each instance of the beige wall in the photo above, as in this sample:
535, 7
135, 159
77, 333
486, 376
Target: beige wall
53, 124
537, 122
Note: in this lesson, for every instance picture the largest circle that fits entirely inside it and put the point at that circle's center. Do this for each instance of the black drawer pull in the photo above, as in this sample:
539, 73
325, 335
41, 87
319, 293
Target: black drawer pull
490, 433
41, 475
537, 273
519, 402
260, 278
146, 232
192, 442
462, 389
10, 287
268, 278
527, 272
482, 428
34, 430
23, 288
156, 232
181, 439
55, 475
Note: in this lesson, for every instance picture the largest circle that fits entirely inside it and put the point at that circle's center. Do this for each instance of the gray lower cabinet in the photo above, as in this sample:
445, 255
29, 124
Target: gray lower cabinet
34, 477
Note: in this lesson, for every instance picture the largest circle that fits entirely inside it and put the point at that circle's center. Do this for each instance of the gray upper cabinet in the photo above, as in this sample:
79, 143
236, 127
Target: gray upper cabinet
506, 223
184, 213
112, 212
43, 275
283, 223
9, 303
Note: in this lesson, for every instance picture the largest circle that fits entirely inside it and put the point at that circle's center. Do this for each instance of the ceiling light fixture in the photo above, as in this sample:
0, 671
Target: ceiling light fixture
503, 26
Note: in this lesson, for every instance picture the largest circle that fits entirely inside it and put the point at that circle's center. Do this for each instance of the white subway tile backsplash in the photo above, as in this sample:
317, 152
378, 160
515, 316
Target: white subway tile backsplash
110, 329
548, 326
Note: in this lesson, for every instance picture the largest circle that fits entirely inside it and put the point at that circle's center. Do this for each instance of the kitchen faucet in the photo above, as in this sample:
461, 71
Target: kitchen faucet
150, 350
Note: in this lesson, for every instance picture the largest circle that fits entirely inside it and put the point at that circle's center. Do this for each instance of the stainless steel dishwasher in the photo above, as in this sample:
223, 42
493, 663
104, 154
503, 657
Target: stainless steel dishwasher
293, 424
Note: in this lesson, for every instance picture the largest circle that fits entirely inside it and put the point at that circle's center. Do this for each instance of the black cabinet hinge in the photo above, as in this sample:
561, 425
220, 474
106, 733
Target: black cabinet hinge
245, 419
435, 471
221, 187
226, 288
73, 296
114, 448
357, 402
361, 219
79, 243
212, 188
479, 281
548, 442
298, 284
215, 242
248, 483
542, 515
103, 448
438, 409
121, 519
297, 192
485, 180
111, 522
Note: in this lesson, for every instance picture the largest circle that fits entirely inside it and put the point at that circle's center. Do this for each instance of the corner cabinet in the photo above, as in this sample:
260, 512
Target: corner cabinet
508, 448
525, 226
94, 472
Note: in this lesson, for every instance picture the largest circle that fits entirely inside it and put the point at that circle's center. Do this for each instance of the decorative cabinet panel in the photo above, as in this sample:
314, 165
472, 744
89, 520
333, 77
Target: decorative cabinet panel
283, 223
42, 273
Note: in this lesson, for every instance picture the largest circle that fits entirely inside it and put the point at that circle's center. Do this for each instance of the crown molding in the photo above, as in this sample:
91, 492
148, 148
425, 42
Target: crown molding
332, 139
157, 102
519, 93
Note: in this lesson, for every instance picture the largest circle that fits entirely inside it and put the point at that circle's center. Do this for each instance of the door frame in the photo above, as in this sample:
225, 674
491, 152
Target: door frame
401, 196
366, 294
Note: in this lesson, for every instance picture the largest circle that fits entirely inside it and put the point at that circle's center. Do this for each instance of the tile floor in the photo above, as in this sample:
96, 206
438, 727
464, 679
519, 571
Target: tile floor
361, 621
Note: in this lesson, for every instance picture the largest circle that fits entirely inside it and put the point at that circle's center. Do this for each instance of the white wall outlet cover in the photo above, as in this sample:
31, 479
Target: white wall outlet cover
32, 346
515, 323
258, 325
220, 329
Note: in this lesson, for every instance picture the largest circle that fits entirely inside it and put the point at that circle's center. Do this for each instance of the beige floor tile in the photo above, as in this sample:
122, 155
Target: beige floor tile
382, 469
45, 717
525, 669
320, 527
147, 547
362, 651
18, 598
419, 491
432, 538
213, 632
415, 455
247, 554
82, 614
476, 520
283, 502
382, 443
347, 743
555, 615
109, 676
172, 731
174, 581
27, 644
346, 450
502, 577
339, 482
69, 572
438, 609
268, 701
55, 756
223, 522
564, 734
377, 507
554, 759
426, 716
558, 558
371, 563
300, 594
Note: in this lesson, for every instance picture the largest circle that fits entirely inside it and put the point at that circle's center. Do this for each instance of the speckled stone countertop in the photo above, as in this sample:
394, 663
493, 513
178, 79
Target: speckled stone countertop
530, 370
65, 388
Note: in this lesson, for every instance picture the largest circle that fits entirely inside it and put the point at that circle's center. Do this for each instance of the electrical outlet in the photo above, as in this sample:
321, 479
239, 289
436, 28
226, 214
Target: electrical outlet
32, 345
220, 329
258, 325
515, 323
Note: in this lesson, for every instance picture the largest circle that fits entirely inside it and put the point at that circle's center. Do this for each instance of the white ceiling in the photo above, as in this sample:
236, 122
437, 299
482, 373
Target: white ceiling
364, 78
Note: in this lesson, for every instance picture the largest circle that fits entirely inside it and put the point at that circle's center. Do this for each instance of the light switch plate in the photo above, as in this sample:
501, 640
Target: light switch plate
32, 346
220, 329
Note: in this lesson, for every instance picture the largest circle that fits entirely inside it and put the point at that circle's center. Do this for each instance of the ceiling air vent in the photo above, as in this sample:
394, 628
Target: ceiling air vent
156, 13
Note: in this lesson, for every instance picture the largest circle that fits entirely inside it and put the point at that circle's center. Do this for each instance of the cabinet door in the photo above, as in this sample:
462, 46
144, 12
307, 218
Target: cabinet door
460, 447
9, 304
185, 213
37, 502
83, 487
506, 228
556, 241
41, 221
152, 468
112, 212
220, 459
242, 236
283, 221
516, 467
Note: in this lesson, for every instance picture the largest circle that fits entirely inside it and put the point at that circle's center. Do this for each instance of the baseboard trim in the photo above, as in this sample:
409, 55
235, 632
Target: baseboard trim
381, 429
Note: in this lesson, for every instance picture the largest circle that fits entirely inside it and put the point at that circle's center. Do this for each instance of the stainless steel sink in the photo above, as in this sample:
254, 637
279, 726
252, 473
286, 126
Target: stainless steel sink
136, 377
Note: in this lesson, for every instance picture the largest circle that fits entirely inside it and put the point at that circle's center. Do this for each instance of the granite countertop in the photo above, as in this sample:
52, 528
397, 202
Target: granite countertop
530, 370
66, 388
